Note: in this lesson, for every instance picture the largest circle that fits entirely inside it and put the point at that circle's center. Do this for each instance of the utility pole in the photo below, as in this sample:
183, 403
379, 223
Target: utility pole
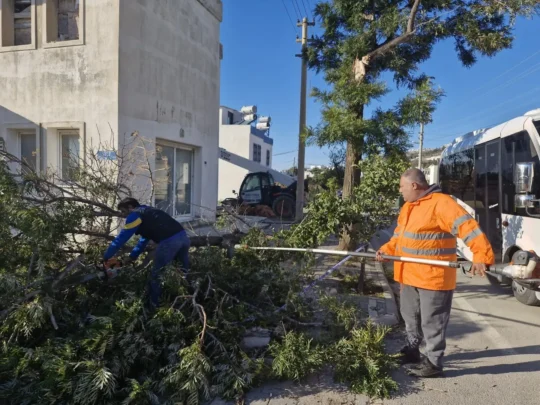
421, 145
302, 130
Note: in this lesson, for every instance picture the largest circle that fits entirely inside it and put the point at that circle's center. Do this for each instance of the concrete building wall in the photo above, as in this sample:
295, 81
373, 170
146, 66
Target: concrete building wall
265, 148
54, 85
169, 83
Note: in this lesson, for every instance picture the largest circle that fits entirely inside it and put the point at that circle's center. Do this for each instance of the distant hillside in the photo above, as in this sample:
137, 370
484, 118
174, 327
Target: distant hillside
429, 156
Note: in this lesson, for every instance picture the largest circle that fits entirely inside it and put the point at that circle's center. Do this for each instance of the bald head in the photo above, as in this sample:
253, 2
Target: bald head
416, 176
413, 184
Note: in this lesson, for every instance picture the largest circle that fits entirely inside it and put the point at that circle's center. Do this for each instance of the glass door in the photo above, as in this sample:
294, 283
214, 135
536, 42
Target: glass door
488, 192
184, 170
164, 195
173, 180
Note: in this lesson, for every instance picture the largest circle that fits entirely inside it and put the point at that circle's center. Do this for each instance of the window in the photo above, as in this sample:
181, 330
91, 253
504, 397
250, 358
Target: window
28, 151
517, 148
70, 154
457, 176
265, 181
257, 153
268, 158
17, 23
253, 183
64, 22
537, 126
230, 118
173, 179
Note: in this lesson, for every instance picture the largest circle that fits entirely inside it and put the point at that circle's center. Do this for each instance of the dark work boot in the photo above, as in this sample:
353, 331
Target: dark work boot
409, 355
426, 369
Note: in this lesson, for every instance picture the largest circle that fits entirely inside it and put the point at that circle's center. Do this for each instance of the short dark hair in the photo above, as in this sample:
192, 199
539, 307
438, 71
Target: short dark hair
128, 202
416, 176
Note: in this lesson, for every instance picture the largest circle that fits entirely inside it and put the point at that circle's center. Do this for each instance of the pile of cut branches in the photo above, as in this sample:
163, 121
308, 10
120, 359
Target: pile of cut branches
67, 338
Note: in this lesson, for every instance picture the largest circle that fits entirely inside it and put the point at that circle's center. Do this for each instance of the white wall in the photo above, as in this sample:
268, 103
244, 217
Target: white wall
235, 139
264, 147
224, 116
67, 85
170, 80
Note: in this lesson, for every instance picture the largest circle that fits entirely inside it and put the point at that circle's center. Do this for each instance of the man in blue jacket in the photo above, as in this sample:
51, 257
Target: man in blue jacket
154, 225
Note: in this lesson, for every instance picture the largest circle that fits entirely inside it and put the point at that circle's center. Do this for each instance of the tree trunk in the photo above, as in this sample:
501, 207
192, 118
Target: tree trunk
351, 180
352, 175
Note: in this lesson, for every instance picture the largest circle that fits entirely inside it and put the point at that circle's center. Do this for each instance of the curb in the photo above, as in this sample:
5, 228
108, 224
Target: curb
391, 317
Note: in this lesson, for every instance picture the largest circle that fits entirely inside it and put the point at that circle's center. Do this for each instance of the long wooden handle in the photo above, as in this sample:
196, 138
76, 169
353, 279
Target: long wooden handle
358, 254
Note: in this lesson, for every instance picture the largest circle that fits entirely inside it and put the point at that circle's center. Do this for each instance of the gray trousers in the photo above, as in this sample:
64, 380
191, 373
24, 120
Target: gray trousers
426, 314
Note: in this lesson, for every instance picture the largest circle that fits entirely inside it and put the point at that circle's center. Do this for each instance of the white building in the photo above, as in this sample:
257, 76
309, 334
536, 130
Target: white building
76, 71
239, 133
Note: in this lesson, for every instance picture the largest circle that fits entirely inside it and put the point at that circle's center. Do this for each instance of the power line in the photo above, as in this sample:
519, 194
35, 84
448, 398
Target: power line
289, 15
509, 70
305, 8
466, 119
520, 76
286, 153
296, 9
508, 82
310, 7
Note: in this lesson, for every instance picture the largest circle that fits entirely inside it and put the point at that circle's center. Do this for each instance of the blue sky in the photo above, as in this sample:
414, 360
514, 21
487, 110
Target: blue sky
260, 68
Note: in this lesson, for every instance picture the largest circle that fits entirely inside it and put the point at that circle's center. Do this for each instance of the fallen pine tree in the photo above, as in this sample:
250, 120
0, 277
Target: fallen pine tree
96, 342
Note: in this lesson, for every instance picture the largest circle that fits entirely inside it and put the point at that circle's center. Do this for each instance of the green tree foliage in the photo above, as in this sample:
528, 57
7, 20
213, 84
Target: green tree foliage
364, 39
419, 106
296, 356
329, 178
371, 209
361, 362
65, 341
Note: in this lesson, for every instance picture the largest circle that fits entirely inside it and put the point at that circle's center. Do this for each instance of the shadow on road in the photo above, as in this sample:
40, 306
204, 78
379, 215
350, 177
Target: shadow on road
536, 325
460, 325
483, 354
466, 290
529, 366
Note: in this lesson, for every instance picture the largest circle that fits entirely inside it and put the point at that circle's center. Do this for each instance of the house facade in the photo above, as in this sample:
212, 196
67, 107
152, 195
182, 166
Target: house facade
77, 73
241, 134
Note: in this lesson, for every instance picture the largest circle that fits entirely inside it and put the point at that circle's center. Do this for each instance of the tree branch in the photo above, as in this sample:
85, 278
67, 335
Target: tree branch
412, 16
411, 28
360, 64
73, 199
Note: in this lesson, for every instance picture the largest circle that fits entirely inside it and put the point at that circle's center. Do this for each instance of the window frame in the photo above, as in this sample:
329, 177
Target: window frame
61, 134
48, 26
33, 133
268, 157
9, 132
33, 30
514, 159
257, 152
175, 146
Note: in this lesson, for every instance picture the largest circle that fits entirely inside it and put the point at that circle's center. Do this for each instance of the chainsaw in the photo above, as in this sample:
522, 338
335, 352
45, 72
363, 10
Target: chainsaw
106, 271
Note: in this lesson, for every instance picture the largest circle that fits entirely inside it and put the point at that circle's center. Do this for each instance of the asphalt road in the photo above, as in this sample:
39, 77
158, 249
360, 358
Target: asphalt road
493, 353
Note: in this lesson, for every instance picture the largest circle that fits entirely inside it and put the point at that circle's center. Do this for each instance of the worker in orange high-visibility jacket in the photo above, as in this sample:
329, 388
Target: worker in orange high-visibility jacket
427, 228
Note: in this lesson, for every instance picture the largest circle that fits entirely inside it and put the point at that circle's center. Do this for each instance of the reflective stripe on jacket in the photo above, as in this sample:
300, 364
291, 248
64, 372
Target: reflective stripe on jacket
427, 228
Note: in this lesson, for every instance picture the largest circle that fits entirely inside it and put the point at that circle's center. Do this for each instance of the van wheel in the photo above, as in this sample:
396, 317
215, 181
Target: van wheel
524, 295
284, 206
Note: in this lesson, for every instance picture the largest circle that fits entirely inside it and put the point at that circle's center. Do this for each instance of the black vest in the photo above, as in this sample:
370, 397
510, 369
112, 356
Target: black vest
157, 225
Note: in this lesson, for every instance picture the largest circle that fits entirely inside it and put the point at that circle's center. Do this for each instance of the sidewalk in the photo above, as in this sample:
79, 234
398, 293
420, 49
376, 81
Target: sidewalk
381, 307
320, 389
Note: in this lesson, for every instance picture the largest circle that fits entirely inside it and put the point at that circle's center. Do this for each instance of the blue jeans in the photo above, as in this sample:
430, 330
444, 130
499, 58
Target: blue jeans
176, 247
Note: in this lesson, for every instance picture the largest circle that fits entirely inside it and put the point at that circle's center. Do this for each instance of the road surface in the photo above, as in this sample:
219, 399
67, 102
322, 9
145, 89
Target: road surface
493, 357
493, 353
